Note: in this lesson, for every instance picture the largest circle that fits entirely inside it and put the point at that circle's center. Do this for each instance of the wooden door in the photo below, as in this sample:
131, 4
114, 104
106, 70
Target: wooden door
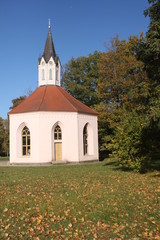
58, 151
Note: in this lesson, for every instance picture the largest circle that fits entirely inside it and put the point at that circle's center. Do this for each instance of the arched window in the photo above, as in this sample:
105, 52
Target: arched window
43, 76
57, 133
50, 74
85, 140
57, 74
26, 142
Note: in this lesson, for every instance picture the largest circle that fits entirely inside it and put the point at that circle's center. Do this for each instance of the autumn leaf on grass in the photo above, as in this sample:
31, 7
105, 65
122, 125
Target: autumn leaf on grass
39, 221
82, 219
70, 225
5, 210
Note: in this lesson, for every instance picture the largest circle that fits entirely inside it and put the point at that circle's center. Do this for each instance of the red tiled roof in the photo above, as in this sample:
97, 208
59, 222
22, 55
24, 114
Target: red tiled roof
52, 98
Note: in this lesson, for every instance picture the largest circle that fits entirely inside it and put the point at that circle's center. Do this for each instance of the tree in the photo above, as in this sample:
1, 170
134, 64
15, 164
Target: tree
124, 91
5, 144
2, 135
122, 80
80, 78
148, 51
17, 101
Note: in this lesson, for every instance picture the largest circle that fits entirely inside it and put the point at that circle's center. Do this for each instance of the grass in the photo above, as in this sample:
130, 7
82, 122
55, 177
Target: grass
4, 158
92, 201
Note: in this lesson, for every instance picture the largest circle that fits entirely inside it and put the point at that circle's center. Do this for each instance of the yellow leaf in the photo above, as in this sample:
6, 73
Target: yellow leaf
7, 226
98, 223
95, 235
39, 221
5, 210
82, 219
70, 225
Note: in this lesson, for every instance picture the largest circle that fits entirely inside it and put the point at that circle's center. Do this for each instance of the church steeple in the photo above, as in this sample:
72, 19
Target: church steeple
49, 64
49, 50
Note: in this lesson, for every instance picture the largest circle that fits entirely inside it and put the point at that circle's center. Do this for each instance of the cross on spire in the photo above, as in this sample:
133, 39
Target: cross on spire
49, 25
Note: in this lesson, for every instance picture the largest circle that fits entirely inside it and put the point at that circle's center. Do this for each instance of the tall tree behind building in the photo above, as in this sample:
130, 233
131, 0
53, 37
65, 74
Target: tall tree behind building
149, 52
80, 78
123, 90
2, 136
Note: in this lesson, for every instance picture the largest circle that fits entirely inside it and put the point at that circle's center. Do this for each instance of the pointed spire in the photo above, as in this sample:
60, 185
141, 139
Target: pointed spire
49, 50
49, 66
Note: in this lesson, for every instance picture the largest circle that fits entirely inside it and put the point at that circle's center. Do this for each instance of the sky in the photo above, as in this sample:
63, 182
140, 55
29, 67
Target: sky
79, 27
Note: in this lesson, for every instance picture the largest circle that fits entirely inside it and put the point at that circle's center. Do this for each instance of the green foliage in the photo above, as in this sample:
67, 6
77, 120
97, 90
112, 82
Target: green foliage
4, 159
123, 88
94, 201
150, 53
80, 78
17, 101
128, 145
6, 137
122, 79
2, 135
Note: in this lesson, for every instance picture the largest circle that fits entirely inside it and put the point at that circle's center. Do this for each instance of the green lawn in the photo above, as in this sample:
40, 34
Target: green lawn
4, 158
92, 201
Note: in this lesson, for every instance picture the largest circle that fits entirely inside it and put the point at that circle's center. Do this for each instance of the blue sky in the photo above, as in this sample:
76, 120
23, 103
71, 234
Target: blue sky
79, 27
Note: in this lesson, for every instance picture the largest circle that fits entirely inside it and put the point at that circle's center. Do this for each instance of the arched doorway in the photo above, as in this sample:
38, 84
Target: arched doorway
57, 143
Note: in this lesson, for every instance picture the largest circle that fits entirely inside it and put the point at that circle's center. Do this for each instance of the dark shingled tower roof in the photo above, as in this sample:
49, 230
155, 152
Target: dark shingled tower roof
49, 50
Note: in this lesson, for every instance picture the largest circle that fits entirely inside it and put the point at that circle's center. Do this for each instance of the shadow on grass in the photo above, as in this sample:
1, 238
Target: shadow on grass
154, 165
111, 163
157, 175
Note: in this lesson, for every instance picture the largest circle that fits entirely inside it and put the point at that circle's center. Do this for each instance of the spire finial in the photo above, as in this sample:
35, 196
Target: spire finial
49, 25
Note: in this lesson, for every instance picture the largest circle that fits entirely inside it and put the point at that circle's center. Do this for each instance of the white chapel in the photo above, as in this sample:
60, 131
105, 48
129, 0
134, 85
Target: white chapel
50, 125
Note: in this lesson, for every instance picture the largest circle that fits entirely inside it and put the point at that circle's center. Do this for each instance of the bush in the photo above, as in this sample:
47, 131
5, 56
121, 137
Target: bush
127, 144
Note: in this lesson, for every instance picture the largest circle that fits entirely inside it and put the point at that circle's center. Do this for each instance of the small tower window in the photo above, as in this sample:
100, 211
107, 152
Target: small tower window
85, 140
26, 142
43, 75
50, 74
57, 133
56, 74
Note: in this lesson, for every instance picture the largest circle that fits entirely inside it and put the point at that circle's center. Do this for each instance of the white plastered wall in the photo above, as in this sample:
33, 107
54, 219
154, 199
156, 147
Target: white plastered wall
41, 126
46, 67
92, 128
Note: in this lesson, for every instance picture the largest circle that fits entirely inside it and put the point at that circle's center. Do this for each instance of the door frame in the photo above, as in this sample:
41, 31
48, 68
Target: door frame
57, 142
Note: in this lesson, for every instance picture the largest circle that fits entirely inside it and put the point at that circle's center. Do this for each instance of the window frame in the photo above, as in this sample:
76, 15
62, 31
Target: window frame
50, 74
57, 133
26, 142
43, 74
85, 140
